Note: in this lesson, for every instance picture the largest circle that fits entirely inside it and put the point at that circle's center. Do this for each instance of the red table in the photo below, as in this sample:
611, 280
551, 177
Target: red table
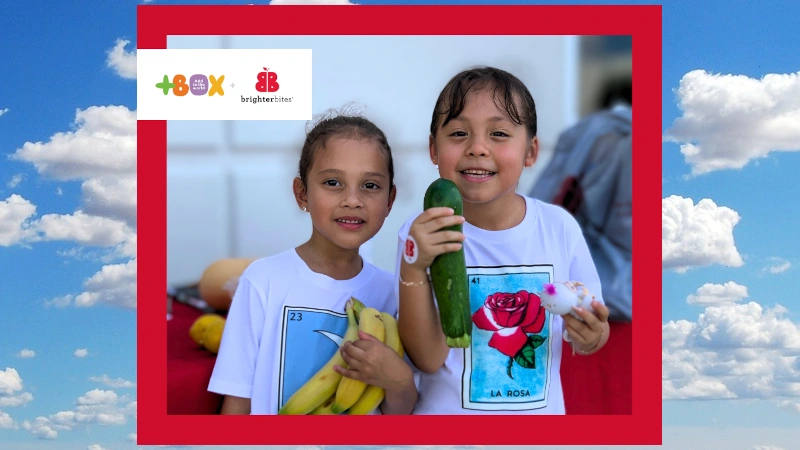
595, 384
600, 383
189, 367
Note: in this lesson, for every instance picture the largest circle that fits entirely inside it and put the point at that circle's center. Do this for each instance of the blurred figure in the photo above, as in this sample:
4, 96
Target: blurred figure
590, 176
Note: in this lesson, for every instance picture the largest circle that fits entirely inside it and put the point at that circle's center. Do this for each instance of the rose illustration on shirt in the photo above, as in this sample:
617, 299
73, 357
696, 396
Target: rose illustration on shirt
511, 316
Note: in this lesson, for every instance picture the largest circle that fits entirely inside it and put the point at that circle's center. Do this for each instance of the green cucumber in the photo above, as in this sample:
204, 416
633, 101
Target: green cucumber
449, 271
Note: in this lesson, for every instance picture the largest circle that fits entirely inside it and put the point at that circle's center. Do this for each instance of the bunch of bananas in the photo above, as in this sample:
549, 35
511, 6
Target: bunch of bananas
327, 392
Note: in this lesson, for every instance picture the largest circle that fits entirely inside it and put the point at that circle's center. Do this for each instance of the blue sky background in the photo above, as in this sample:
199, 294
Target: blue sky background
84, 357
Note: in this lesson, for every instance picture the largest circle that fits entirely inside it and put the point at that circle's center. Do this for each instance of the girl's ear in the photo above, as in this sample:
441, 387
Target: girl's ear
432, 150
532, 153
300, 194
392, 196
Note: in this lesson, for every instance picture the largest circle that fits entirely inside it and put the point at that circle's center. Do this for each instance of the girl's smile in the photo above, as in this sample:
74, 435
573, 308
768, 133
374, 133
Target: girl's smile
351, 223
477, 175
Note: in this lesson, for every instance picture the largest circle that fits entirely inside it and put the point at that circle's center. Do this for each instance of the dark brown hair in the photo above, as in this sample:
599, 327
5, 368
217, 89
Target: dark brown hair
347, 127
506, 87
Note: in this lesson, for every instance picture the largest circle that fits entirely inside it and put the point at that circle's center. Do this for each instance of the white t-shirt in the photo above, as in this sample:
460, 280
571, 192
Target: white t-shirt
285, 323
546, 246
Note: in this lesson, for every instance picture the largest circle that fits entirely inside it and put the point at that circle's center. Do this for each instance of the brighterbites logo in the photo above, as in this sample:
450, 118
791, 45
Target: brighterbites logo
197, 85
267, 82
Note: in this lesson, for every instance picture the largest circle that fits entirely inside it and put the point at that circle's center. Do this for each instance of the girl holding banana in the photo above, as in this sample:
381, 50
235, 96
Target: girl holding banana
296, 340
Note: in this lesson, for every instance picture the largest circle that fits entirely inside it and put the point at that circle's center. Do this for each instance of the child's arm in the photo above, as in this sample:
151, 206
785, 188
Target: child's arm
375, 363
235, 405
419, 324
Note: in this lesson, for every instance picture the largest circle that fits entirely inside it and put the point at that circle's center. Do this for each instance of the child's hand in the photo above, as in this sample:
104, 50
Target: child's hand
427, 241
373, 362
587, 335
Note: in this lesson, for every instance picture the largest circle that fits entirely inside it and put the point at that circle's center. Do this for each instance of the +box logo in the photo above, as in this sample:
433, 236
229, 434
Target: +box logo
198, 85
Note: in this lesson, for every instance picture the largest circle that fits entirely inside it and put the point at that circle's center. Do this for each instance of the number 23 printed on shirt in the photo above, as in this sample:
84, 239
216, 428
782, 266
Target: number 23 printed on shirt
308, 340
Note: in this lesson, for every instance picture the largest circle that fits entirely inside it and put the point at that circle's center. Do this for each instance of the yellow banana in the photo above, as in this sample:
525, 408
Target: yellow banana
323, 384
357, 307
349, 390
325, 407
373, 395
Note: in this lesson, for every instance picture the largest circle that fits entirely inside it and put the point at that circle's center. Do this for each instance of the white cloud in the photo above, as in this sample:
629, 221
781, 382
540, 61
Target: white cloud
696, 388
103, 144
113, 197
96, 447
10, 381
40, 428
790, 405
114, 285
88, 230
747, 325
781, 268
697, 235
123, 62
113, 382
15, 180
4, 111
60, 302
15, 225
130, 409
100, 150
97, 397
105, 255
732, 351
26, 353
718, 294
311, 2
95, 407
95, 231
778, 265
730, 120
767, 447
81, 353
6, 422
11, 389
21, 399
132, 437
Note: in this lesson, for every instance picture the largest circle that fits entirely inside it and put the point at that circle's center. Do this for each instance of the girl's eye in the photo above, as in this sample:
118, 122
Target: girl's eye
371, 186
332, 183
458, 134
499, 134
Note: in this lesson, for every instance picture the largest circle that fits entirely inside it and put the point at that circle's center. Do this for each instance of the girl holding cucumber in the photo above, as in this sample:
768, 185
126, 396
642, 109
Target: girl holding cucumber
502, 356
286, 320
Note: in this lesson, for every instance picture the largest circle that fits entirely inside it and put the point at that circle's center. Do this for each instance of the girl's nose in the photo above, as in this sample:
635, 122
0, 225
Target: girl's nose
477, 147
352, 199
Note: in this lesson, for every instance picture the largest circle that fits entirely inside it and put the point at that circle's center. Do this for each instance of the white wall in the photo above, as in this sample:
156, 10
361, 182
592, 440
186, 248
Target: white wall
229, 183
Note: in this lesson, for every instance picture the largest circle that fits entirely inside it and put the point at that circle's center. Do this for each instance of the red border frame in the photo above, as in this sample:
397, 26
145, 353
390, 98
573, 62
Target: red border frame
643, 426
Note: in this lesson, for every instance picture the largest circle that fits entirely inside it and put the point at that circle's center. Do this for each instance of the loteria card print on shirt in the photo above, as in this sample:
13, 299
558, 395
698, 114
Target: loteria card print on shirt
309, 339
507, 367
